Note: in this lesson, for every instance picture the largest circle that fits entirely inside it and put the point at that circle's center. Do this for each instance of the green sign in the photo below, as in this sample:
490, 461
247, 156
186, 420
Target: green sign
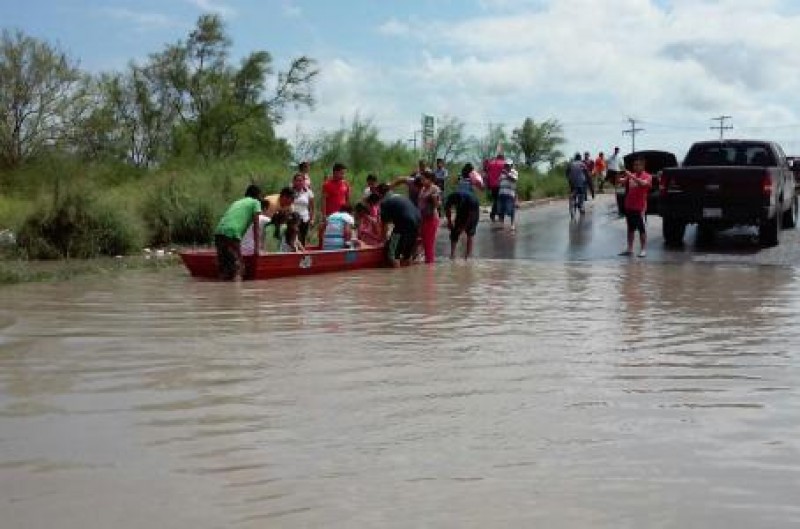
427, 131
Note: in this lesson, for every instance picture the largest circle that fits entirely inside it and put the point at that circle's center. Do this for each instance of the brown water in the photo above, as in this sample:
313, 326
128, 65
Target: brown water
497, 394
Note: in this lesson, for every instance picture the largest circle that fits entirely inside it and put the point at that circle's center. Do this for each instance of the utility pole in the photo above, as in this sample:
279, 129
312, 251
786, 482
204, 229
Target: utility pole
722, 127
632, 131
414, 140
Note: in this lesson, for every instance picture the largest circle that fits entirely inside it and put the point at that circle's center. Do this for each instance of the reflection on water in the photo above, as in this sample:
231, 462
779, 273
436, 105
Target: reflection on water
483, 395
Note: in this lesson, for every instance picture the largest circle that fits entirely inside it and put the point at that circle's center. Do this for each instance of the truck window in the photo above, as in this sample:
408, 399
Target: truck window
724, 154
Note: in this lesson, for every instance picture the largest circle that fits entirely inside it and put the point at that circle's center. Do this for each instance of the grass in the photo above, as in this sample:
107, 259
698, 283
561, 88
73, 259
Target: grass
16, 271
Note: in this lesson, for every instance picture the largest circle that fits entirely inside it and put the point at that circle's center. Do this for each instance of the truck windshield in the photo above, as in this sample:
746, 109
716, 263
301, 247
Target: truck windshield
714, 154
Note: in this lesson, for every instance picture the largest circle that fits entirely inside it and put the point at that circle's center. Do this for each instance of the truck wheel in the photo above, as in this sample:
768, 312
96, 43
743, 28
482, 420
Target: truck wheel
673, 231
790, 216
705, 233
769, 230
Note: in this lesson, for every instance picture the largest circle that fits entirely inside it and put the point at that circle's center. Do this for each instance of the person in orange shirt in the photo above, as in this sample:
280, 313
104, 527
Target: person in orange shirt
600, 168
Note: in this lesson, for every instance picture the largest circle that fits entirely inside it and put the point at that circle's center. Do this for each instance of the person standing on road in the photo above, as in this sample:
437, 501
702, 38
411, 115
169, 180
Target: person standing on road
507, 194
638, 185
469, 179
577, 176
615, 168
589, 164
494, 168
600, 168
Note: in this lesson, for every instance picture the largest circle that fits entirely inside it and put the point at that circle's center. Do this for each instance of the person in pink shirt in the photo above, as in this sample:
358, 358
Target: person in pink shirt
638, 185
494, 170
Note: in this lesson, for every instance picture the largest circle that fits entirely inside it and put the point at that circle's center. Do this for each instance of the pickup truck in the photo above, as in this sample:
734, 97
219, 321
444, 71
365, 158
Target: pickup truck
729, 183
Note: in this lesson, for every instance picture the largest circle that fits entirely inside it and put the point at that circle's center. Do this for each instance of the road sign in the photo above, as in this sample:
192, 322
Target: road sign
427, 130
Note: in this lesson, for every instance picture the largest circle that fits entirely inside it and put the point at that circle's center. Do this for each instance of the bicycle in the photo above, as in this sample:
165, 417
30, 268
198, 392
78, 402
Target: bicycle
576, 199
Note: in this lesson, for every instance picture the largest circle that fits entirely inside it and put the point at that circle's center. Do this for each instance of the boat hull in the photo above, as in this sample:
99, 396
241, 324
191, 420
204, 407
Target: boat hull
202, 263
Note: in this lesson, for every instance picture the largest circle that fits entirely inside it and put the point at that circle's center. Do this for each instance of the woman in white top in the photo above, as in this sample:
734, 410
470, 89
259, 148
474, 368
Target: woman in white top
303, 205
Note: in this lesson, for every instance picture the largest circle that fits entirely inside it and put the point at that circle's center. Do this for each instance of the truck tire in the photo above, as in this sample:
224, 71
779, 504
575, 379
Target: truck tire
790, 216
673, 231
769, 230
705, 233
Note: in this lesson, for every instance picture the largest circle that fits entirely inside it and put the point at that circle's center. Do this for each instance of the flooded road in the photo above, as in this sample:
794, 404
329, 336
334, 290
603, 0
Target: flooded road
502, 393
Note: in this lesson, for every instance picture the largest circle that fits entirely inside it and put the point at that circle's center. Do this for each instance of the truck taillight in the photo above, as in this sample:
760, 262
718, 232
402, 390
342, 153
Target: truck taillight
663, 185
766, 185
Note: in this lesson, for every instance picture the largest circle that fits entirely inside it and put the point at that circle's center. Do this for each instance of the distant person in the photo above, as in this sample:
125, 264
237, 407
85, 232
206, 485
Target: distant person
469, 180
507, 194
577, 178
638, 185
232, 226
372, 186
430, 198
404, 217
589, 164
467, 209
339, 228
304, 169
442, 175
600, 168
494, 168
616, 166
303, 205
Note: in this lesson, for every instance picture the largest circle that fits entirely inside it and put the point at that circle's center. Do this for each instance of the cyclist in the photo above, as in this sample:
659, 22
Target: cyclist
577, 176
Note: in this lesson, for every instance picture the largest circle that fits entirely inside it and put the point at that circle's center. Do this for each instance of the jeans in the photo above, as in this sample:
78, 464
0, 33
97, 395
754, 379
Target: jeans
506, 205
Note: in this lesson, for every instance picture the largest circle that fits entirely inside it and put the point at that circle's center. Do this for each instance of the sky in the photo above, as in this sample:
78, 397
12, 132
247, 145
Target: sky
672, 65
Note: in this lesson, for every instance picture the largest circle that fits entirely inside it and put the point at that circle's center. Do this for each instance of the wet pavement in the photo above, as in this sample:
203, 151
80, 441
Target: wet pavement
545, 232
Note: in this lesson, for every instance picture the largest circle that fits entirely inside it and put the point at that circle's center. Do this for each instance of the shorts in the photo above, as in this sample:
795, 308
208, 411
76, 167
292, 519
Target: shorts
635, 220
402, 245
612, 176
229, 257
465, 222
506, 205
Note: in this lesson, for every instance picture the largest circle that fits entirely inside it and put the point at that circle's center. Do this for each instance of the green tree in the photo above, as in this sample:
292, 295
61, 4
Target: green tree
539, 142
218, 104
494, 142
37, 89
450, 141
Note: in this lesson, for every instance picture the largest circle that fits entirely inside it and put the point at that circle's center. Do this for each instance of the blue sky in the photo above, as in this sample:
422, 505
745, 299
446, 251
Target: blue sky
673, 65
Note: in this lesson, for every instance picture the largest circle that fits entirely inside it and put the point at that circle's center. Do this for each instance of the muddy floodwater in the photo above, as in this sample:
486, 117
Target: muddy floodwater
495, 394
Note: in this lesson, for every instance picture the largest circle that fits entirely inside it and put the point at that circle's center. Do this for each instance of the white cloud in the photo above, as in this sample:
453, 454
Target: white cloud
291, 10
214, 6
394, 28
142, 21
590, 64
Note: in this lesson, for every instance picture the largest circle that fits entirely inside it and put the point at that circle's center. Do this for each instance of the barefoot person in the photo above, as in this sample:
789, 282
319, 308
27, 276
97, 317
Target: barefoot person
638, 184
467, 213
228, 235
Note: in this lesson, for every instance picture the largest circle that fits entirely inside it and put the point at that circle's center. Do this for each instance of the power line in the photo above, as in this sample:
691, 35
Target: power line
632, 131
721, 127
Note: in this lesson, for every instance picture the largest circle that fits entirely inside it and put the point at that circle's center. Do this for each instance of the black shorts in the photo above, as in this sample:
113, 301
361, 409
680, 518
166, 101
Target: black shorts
466, 222
402, 245
612, 176
635, 220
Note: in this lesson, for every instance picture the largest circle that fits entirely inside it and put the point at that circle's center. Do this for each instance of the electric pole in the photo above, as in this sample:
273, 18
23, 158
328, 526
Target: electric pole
632, 131
722, 127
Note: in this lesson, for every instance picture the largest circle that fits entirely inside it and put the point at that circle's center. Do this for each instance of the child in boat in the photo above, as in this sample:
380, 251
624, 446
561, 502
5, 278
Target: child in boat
290, 242
369, 226
339, 229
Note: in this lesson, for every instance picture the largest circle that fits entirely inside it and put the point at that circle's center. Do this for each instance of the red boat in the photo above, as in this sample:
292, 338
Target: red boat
203, 263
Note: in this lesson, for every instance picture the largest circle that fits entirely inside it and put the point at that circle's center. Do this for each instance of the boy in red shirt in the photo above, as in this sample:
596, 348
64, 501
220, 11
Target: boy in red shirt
335, 190
638, 184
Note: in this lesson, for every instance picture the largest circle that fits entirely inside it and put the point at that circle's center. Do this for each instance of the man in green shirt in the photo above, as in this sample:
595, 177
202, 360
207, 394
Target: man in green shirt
231, 228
